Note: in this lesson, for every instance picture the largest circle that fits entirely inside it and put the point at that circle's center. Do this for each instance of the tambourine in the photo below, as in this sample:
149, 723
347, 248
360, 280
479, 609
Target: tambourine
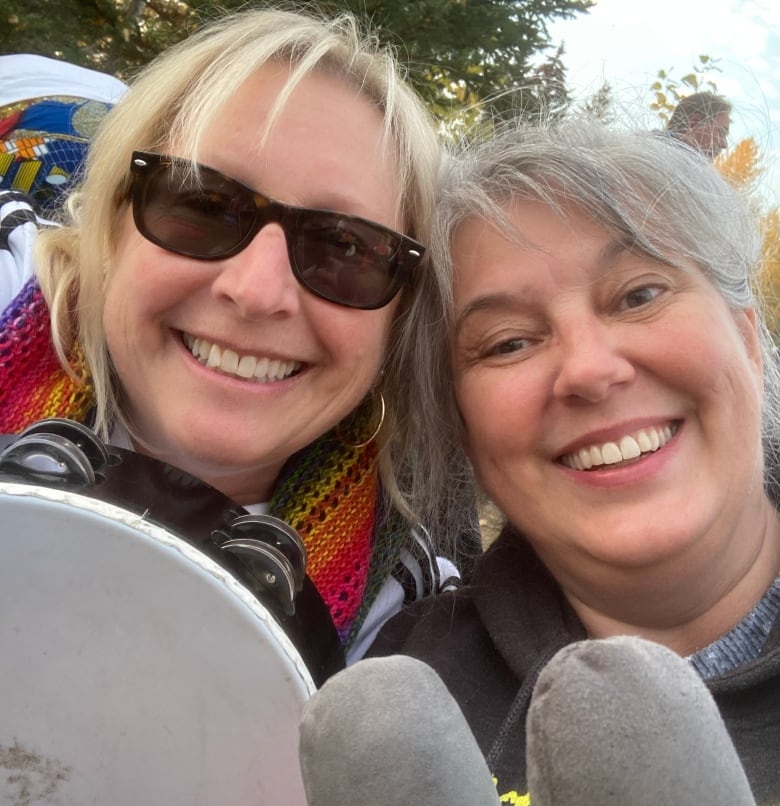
157, 642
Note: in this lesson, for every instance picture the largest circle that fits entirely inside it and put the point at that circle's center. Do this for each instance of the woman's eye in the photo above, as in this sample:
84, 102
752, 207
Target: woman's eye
643, 295
508, 346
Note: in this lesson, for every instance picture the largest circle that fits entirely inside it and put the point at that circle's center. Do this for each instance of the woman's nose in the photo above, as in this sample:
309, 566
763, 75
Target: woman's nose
259, 279
592, 362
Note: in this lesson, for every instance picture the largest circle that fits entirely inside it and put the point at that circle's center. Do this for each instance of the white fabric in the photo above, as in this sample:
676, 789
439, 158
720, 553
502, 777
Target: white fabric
16, 253
388, 602
24, 76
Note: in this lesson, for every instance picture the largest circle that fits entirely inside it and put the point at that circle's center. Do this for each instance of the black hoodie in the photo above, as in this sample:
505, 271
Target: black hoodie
489, 641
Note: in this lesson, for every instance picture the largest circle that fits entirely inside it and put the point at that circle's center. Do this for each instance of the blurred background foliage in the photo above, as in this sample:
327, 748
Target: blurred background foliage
742, 165
458, 52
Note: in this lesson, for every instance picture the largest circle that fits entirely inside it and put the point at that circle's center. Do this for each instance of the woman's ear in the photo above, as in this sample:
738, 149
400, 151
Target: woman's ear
748, 328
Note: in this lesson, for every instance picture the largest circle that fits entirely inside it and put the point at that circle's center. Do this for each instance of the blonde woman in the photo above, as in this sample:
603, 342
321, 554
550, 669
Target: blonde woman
226, 286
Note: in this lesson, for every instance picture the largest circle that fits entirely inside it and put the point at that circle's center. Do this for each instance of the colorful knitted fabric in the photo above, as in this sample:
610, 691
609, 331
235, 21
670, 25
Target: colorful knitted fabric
33, 384
328, 492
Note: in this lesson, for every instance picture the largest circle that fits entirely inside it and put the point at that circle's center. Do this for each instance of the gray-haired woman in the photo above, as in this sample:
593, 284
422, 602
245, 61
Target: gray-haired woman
590, 340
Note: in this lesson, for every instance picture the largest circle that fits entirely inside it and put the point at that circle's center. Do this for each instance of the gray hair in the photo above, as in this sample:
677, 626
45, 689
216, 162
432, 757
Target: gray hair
644, 188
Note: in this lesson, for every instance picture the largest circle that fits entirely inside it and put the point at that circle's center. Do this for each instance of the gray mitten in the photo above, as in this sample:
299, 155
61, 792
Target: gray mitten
626, 722
387, 730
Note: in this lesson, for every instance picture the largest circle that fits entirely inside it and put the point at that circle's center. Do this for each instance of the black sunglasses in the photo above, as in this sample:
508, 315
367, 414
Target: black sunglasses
195, 211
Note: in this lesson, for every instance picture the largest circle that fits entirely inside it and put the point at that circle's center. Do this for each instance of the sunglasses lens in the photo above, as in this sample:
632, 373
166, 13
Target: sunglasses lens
204, 216
347, 261
197, 212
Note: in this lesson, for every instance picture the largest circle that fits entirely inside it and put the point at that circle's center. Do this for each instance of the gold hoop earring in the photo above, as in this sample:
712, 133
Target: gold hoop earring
356, 421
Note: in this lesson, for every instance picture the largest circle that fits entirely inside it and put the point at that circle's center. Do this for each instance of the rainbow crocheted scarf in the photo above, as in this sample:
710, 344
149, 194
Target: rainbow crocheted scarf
328, 492
33, 384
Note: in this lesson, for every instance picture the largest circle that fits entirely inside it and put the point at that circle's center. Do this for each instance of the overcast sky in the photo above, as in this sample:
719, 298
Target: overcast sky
626, 42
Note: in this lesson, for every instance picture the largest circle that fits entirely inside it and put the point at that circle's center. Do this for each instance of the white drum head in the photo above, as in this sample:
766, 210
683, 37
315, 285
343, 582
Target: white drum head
135, 670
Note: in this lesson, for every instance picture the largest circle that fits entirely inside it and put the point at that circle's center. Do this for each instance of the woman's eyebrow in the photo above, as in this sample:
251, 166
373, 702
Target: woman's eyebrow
605, 259
612, 252
498, 300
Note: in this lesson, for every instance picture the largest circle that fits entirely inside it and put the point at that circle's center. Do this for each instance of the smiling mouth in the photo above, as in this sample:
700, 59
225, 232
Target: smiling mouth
258, 369
628, 448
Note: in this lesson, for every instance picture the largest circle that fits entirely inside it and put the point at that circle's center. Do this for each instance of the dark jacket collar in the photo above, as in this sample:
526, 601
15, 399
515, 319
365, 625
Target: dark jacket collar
521, 605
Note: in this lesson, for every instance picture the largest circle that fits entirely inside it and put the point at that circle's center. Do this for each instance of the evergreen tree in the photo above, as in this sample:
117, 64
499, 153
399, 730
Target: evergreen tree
459, 52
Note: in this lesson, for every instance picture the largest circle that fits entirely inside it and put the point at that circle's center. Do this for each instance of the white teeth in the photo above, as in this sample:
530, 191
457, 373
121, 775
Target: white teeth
631, 446
229, 362
215, 357
261, 370
610, 453
246, 366
645, 443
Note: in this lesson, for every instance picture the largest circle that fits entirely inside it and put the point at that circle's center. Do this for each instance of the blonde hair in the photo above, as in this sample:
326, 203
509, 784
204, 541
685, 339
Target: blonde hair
174, 101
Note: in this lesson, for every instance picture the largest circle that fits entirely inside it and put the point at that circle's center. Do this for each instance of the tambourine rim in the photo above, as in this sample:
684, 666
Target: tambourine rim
190, 552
